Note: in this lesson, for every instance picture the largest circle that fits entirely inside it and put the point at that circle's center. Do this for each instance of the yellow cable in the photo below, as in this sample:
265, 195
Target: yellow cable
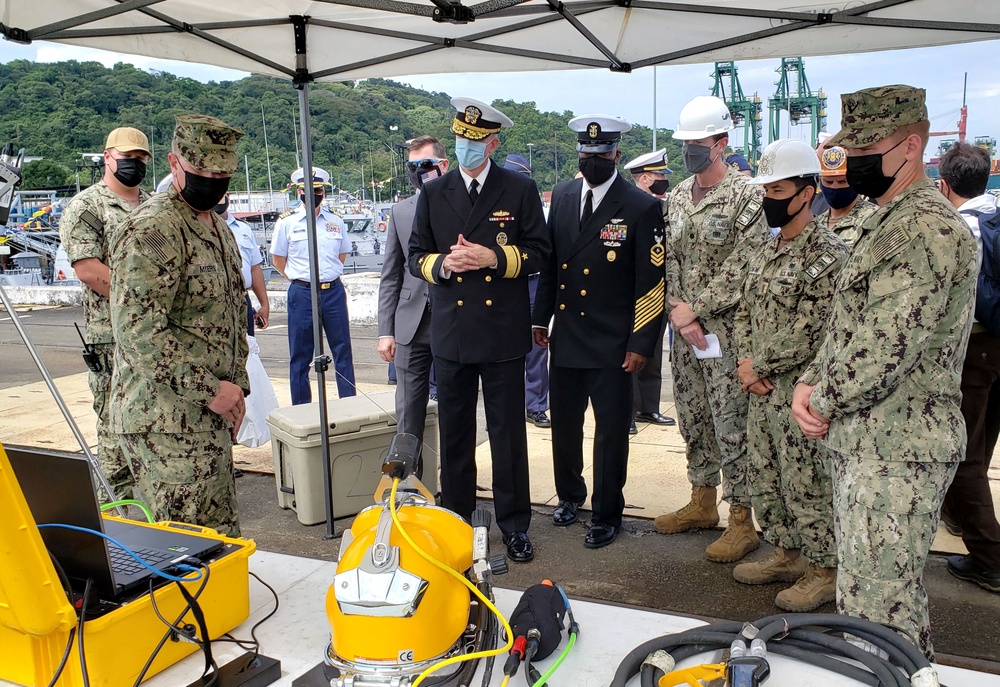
464, 657
506, 679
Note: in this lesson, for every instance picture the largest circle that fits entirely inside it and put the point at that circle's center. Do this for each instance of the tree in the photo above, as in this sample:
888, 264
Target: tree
42, 174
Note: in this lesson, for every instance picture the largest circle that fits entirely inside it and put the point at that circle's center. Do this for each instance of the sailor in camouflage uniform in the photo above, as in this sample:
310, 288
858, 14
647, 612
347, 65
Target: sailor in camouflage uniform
884, 388
714, 225
847, 210
779, 322
83, 230
179, 316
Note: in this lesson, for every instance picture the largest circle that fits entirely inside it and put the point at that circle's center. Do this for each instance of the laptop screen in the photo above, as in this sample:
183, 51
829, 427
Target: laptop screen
59, 489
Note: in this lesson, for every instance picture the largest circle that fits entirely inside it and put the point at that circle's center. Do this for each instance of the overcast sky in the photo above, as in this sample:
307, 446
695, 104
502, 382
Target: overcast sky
940, 70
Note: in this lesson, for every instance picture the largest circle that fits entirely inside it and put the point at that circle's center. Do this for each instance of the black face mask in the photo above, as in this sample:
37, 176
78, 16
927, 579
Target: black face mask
596, 169
839, 198
317, 199
203, 193
222, 208
130, 171
776, 210
419, 177
864, 174
659, 187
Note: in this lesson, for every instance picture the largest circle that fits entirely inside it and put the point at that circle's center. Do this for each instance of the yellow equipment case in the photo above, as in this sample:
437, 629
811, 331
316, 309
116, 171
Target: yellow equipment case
36, 617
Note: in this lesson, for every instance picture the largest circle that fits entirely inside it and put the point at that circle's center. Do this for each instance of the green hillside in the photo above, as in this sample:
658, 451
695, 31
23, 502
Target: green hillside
59, 110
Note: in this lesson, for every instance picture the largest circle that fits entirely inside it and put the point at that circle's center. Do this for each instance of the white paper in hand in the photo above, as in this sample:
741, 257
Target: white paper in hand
714, 350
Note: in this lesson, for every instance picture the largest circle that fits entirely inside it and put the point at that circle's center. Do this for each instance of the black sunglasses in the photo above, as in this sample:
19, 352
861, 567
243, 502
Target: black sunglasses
425, 164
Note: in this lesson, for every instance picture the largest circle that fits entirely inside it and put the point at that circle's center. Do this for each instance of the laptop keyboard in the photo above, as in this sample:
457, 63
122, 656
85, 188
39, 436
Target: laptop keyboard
123, 564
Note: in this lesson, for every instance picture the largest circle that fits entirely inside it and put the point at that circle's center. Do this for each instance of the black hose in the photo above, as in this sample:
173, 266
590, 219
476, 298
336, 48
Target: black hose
805, 637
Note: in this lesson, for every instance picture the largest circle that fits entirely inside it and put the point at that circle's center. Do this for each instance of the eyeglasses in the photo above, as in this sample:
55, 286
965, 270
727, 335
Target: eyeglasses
425, 164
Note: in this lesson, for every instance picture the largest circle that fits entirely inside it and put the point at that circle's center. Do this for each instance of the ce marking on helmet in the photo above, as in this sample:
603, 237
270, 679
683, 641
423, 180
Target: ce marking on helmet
405, 656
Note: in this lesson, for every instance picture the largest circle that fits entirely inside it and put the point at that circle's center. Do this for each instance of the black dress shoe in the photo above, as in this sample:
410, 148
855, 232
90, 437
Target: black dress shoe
518, 547
237, 473
565, 513
600, 535
971, 569
539, 419
655, 419
632, 429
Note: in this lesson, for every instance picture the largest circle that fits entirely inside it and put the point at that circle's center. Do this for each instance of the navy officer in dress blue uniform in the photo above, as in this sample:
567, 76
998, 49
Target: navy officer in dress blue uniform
290, 255
478, 233
604, 287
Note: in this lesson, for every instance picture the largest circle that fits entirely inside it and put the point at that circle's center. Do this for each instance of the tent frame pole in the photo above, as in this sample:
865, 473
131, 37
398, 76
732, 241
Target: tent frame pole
321, 361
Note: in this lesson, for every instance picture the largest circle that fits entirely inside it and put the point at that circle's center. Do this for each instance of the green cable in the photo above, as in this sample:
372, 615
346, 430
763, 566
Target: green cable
130, 502
555, 666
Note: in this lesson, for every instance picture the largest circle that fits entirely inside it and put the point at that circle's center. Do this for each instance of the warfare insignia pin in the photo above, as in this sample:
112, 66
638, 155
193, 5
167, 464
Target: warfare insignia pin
612, 256
472, 114
502, 238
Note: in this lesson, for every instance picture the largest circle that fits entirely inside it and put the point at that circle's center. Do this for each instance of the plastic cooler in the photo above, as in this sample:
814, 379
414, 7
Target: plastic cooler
361, 429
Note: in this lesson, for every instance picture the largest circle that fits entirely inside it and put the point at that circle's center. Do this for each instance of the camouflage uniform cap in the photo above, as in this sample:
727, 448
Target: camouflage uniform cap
207, 143
872, 114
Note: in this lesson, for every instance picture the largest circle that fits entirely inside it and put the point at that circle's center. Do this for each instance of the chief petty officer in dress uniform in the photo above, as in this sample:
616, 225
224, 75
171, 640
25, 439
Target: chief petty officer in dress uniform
479, 232
290, 255
604, 285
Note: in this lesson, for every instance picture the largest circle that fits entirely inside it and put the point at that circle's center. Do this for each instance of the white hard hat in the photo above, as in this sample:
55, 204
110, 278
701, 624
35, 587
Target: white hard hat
704, 116
786, 159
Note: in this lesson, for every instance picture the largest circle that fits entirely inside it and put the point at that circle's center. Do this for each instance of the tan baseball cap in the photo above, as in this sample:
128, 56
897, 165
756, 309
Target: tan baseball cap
126, 138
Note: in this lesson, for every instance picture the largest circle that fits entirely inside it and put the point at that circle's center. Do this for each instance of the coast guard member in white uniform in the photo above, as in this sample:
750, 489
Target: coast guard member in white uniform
290, 255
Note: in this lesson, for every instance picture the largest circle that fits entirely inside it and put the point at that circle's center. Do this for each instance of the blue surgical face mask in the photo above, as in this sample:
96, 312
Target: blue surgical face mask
839, 198
470, 154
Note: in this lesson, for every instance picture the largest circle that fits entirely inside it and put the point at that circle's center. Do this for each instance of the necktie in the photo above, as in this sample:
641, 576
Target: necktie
588, 207
474, 191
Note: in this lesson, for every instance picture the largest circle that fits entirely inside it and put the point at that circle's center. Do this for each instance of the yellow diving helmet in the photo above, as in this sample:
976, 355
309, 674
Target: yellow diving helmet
393, 613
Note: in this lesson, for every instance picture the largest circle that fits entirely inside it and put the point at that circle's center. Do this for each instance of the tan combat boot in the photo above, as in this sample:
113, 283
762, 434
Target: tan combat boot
701, 512
739, 539
815, 588
783, 565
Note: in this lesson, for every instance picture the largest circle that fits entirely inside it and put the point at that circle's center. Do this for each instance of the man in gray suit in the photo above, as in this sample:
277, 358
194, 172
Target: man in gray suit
404, 321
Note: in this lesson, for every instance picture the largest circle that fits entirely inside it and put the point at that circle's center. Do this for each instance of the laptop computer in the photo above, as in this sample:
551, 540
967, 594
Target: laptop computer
59, 488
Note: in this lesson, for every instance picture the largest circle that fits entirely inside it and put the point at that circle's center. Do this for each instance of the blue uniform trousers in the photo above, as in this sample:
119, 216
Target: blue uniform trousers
536, 366
333, 312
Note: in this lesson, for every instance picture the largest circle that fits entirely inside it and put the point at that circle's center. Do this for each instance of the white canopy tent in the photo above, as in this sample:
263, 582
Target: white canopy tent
340, 40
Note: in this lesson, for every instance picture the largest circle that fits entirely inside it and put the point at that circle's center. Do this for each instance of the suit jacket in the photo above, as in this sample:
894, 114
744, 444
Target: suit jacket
605, 281
402, 298
483, 315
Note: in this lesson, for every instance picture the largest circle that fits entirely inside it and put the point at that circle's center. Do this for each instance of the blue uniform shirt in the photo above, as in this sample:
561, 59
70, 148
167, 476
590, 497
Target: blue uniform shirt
248, 246
289, 241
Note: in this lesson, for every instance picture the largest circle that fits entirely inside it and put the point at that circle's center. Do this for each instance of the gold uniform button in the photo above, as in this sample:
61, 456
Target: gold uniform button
460, 304
459, 280
586, 270
489, 278
562, 286
562, 306
582, 314
565, 265
583, 292
489, 303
